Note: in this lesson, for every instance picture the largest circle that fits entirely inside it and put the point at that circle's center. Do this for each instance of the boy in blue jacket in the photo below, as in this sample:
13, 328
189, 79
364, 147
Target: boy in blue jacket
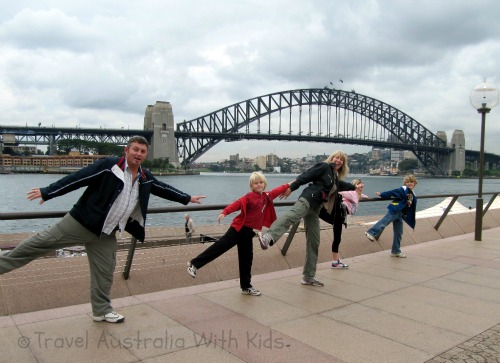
402, 208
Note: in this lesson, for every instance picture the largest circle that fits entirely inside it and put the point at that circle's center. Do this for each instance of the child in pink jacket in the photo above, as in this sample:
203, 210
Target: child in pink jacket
349, 200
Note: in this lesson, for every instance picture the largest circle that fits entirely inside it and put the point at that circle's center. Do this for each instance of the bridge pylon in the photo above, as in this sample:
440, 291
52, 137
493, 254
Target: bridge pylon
159, 118
455, 160
457, 157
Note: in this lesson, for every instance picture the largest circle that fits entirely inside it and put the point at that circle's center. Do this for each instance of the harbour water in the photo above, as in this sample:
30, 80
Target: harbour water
219, 188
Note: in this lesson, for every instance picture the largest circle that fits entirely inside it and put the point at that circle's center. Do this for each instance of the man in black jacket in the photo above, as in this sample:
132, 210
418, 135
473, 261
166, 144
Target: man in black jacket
116, 199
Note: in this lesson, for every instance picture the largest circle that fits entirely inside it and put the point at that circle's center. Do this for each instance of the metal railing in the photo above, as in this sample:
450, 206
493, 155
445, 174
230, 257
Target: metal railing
209, 207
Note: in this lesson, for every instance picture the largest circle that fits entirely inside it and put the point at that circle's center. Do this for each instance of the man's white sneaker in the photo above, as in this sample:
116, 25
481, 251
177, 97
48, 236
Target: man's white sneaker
112, 317
306, 280
400, 255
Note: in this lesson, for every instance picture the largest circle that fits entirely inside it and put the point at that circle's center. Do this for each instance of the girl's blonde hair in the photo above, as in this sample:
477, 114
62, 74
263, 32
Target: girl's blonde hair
344, 169
257, 175
409, 179
356, 181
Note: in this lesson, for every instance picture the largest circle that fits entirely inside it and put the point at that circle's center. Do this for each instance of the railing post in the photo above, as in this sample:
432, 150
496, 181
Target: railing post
438, 224
289, 239
490, 203
130, 257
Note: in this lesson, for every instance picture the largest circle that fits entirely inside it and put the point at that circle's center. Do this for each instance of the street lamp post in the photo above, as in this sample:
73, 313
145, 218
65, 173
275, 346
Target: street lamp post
483, 98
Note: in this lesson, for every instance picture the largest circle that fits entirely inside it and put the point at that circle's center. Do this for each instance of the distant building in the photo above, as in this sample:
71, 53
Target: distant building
385, 154
271, 160
235, 157
310, 158
409, 155
45, 163
23, 149
397, 155
261, 162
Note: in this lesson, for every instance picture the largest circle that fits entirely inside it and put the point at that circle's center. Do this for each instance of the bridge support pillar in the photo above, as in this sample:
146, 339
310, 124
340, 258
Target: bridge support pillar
52, 149
456, 159
160, 119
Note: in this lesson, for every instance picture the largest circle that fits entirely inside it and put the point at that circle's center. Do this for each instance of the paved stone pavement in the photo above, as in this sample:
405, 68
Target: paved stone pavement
484, 347
440, 304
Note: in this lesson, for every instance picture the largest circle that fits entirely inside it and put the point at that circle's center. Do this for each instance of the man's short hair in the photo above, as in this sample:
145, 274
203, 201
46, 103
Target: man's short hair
138, 139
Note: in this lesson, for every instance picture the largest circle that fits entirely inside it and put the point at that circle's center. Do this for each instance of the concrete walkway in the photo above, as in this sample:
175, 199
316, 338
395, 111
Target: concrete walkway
440, 304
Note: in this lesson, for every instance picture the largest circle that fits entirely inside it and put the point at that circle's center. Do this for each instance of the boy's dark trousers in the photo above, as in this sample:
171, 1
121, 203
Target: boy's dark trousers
243, 239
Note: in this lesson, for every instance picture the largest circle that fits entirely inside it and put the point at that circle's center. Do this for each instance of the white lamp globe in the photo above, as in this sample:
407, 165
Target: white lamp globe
484, 96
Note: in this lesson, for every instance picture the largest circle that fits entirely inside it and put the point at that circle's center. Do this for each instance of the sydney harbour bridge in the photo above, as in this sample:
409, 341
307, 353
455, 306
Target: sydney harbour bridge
310, 115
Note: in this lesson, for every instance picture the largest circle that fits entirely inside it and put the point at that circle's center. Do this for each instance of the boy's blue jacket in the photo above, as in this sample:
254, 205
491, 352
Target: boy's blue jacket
400, 197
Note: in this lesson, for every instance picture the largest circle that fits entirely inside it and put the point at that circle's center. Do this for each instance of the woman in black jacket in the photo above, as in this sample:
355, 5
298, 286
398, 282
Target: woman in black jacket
323, 179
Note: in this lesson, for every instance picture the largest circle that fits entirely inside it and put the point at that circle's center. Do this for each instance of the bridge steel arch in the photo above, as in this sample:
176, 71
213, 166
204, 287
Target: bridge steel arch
377, 124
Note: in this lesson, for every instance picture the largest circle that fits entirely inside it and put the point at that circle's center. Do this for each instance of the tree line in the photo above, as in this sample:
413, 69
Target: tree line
64, 146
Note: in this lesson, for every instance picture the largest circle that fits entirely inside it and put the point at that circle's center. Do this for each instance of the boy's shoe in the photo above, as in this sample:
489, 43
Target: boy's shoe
191, 269
339, 264
307, 280
265, 240
112, 317
400, 255
251, 291
370, 237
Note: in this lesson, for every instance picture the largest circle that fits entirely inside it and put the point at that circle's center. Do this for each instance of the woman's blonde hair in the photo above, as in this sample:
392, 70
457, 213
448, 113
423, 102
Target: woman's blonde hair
344, 169
257, 175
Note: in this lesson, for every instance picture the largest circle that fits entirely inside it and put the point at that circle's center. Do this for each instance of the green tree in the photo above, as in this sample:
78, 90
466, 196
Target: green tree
106, 148
285, 166
232, 165
469, 173
64, 146
215, 167
408, 165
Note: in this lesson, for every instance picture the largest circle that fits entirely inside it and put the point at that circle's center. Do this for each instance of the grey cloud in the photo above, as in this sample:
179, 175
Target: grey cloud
51, 29
103, 63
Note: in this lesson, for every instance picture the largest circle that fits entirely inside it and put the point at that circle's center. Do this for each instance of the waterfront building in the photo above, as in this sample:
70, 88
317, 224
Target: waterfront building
397, 155
271, 160
46, 163
261, 162
407, 154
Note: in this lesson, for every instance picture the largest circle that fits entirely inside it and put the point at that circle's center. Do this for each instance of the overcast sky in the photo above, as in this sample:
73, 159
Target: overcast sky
100, 63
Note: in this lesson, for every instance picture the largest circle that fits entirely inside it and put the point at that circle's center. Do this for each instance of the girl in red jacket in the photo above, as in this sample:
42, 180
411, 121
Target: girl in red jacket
257, 210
